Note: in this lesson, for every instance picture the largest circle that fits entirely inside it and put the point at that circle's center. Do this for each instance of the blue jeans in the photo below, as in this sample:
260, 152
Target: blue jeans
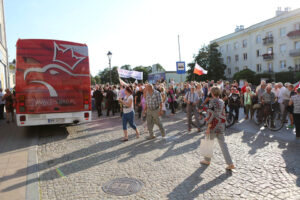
128, 117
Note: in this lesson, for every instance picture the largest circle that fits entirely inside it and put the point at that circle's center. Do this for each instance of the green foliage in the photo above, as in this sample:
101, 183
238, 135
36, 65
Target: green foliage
215, 68
245, 74
127, 67
284, 77
297, 76
258, 77
160, 68
209, 58
105, 74
145, 70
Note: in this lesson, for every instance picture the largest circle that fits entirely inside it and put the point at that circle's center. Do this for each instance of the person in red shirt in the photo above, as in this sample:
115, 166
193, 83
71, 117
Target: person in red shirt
243, 90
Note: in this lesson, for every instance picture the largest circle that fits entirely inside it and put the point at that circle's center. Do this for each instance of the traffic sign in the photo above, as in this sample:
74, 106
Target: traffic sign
180, 67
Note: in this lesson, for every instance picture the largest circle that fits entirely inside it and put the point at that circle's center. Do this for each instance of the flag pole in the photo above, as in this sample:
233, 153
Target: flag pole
179, 57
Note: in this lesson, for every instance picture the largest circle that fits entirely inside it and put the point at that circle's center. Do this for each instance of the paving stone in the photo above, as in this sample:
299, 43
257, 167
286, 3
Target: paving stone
92, 154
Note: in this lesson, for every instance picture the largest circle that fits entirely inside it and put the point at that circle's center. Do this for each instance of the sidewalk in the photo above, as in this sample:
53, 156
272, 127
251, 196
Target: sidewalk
17, 152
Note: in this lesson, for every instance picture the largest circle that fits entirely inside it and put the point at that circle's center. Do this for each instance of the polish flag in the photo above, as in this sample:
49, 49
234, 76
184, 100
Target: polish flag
199, 70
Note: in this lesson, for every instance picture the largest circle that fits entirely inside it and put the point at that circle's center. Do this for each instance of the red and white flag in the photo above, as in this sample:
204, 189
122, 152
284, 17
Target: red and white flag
199, 70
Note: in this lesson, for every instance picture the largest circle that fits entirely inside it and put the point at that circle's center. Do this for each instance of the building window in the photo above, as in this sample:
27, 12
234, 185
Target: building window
282, 64
244, 43
236, 58
297, 26
297, 64
245, 56
229, 70
270, 34
227, 47
258, 39
297, 45
258, 67
236, 69
282, 32
236, 45
270, 50
270, 67
282, 48
228, 59
257, 53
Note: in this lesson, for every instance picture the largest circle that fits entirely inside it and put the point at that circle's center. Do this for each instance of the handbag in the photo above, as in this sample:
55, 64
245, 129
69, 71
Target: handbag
207, 146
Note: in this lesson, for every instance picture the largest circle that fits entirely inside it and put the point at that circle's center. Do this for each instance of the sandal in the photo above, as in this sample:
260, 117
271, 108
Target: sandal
124, 139
204, 162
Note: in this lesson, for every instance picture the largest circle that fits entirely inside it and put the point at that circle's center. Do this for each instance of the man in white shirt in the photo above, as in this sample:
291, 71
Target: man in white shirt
2, 103
283, 100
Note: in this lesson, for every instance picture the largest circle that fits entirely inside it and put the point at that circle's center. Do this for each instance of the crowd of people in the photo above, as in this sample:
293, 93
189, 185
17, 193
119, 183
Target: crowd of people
193, 96
151, 101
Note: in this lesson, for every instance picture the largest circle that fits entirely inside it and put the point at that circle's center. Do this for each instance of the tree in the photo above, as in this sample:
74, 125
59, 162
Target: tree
145, 70
202, 60
105, 74
216, 68
245, 74
127, 67
159, 67
209, 58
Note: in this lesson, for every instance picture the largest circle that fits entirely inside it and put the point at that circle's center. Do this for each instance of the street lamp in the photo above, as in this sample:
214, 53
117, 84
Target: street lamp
109, 54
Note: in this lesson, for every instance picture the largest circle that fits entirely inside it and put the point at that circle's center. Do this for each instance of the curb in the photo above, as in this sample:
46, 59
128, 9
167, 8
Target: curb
32, 181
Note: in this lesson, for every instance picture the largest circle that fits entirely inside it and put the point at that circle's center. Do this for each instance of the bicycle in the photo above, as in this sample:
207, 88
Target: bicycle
202, 116
273, 120
230, 119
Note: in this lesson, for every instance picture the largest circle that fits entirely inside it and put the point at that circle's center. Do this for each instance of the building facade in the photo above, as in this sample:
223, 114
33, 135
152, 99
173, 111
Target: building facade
4, 70
267, 47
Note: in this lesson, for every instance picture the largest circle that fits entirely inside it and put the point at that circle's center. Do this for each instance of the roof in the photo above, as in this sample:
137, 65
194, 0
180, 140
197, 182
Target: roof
259, 25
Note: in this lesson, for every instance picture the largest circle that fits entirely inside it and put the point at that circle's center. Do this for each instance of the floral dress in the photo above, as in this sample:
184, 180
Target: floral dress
216, 115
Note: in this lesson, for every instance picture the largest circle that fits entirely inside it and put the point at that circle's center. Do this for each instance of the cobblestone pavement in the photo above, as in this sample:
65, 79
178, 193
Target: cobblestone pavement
91, 154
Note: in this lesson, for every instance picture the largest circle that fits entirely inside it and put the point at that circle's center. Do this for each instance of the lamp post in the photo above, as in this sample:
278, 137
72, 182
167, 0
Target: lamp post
109, 54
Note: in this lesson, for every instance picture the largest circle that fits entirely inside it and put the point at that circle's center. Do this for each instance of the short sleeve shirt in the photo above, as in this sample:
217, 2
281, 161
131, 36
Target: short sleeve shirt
268, 97
296, 102
130, 108
153, 101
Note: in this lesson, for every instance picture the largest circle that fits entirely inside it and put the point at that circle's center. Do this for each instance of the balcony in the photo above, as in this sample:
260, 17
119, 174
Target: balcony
294, 34
268, 56
268, 40
295, 52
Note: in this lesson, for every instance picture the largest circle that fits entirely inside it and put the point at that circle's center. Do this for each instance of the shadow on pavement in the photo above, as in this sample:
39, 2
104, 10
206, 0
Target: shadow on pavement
187, 188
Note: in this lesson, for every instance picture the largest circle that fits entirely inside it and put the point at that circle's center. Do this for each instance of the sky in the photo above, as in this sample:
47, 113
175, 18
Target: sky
137, 32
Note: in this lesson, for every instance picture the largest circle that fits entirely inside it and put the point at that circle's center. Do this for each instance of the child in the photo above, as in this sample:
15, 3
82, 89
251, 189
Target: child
216, 125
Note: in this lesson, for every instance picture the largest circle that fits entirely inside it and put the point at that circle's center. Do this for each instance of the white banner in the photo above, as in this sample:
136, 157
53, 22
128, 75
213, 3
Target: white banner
123, 73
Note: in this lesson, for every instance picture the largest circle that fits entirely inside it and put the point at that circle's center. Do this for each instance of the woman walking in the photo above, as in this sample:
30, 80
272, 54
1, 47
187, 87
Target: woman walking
128, 113
8, 98
295, 101
216, 126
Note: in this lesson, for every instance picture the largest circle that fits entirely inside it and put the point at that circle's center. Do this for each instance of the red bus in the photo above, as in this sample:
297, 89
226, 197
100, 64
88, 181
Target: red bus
52, 82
